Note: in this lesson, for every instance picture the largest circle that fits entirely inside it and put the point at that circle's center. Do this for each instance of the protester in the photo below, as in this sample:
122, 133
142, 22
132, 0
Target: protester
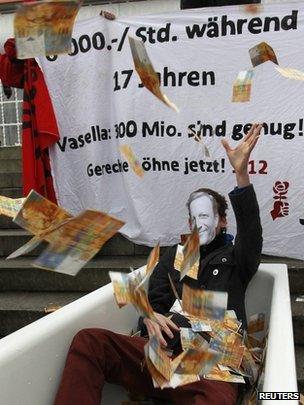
97, 356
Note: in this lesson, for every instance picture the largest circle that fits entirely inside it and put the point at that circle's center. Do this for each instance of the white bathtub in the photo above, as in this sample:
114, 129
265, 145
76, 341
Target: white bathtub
31, 359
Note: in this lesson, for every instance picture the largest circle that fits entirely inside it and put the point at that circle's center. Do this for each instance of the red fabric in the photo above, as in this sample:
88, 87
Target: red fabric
99, 355
11, 70
39, 129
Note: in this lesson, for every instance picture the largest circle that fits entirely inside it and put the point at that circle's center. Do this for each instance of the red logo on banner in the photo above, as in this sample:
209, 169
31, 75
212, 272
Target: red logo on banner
280, 206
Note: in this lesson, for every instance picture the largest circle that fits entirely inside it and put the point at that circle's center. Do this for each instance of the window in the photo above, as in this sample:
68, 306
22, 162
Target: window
11, 117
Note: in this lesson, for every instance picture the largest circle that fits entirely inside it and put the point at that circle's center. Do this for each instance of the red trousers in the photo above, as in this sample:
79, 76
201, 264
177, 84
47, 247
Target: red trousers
97, 356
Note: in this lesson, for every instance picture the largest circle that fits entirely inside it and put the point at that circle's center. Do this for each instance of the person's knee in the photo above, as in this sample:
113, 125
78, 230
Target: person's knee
224, 394
87, 337
81, 336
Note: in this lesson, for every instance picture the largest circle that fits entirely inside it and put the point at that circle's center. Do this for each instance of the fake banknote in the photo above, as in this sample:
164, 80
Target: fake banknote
128, 153
291, 73
191, 253
231, 348
200, 326
10, 206
204, 304
159, 358
198, 361
256, 323
198, 139
192, 340
217, 375
40, 216
152, 261
146, 72
242, 86
120, 282
262, 53
254, 8
73, 241
44, 27
179, 258
77, 241
128, 289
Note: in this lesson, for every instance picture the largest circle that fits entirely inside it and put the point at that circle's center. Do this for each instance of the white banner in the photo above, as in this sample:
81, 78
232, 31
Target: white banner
100, 105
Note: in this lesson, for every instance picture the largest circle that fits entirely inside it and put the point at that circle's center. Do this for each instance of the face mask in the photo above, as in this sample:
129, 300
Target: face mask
202, 214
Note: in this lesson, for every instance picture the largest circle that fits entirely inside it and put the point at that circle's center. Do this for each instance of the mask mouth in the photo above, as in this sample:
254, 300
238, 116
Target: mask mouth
202, 230
206, 235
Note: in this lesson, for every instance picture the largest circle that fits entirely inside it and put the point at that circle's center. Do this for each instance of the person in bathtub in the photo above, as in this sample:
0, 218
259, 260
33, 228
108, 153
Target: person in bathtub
97, 356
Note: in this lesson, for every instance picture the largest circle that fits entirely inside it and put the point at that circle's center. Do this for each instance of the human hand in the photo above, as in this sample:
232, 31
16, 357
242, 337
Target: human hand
239, 156
163, 324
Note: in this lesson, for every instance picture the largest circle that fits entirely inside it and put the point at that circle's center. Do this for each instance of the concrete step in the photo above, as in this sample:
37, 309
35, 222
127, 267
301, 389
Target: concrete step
299, 351
19, 275
295, 271
12, 192
10, 169
12, 239
18, 309
13, 179
10, 166
296, 278
7, 223
11, 152
297, 319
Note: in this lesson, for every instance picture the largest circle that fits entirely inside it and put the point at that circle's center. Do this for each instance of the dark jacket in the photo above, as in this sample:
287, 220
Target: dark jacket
223, 266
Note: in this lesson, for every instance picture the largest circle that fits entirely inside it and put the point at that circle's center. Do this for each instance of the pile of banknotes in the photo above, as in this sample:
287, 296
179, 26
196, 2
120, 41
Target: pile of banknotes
213, 347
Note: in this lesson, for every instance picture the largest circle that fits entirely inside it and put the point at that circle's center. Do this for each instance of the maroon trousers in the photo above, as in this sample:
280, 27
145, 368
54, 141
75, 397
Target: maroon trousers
97, 356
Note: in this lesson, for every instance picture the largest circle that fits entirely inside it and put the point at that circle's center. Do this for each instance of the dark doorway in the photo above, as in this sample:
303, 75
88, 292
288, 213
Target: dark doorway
214, 3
